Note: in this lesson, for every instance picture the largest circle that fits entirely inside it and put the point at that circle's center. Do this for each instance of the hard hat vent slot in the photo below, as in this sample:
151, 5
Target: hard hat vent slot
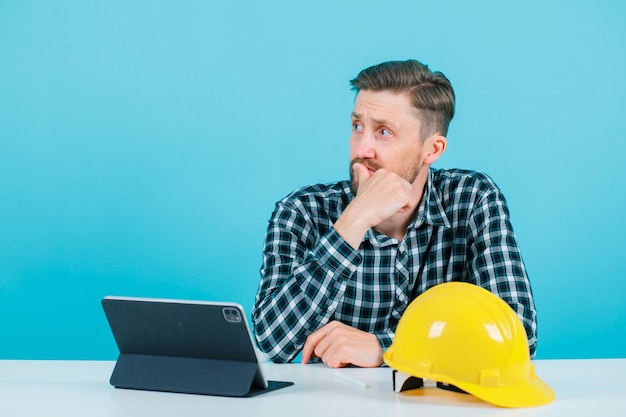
490, 378
425, 365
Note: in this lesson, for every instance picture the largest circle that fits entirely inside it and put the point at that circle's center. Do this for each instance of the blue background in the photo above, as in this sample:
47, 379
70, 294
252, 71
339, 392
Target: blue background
143, 145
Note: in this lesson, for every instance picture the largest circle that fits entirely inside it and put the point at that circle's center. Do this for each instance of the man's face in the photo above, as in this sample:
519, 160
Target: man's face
385, 134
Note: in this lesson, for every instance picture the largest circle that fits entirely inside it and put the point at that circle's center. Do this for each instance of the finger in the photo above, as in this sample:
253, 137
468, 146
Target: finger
335, 352
308, 351
361, 173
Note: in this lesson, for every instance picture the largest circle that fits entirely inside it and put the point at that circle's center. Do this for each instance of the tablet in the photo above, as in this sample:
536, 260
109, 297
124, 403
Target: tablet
193, 347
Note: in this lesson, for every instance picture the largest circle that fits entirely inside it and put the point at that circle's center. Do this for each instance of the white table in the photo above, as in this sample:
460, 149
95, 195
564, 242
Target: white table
80, 388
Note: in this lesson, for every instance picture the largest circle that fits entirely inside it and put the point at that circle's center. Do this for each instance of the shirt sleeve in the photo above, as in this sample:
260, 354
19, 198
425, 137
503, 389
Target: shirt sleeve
385, 338
303, 278
496, 262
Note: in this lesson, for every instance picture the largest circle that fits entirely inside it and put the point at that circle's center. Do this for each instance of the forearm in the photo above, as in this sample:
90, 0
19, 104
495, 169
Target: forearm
351, 227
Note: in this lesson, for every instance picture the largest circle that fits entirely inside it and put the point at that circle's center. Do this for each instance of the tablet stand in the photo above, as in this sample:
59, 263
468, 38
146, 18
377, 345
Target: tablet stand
188, 375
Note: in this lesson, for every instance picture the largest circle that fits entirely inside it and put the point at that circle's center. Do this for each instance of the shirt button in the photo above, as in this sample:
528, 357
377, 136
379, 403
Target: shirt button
352, 268
401, 249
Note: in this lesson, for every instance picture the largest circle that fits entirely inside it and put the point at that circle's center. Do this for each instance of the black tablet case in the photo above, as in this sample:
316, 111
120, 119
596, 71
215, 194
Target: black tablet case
184, 347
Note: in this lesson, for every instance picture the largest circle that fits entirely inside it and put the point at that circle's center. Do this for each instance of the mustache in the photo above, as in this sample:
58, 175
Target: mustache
368, 163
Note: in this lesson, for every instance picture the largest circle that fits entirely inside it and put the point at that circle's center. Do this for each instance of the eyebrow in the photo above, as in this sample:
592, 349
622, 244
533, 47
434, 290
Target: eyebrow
383, 122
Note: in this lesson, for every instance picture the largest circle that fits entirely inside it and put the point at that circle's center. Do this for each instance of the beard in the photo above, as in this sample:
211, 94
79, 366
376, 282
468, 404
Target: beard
409, 172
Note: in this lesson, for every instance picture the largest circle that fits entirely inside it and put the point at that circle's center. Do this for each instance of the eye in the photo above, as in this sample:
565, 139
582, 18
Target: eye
384, 132
356, 126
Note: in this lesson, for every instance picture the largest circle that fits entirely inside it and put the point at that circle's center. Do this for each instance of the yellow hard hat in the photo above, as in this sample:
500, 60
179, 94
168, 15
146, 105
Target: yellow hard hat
461, 334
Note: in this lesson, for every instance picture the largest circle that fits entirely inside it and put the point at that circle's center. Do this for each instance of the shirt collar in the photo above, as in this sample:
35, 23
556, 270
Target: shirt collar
430, 210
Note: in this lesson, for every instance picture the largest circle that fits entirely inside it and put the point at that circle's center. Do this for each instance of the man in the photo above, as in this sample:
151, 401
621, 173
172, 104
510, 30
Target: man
342, 261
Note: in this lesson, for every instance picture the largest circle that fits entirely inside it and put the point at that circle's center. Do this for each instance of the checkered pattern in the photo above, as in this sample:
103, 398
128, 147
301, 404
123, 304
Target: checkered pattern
310, 275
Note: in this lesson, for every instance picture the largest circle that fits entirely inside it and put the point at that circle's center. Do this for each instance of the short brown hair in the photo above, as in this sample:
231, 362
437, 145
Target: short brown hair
430, 91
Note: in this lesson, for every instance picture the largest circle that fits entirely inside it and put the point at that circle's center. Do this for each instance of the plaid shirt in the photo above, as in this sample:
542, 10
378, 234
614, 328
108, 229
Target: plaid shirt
310, 275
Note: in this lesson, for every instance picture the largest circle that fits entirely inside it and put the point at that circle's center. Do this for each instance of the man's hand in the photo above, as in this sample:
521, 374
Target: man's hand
338, 345
380, 195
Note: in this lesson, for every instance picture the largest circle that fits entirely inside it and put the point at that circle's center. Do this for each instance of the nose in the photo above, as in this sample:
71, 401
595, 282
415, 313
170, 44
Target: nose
363, 145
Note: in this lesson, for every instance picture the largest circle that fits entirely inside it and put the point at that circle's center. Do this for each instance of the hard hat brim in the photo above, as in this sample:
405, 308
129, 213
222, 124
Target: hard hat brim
531, 393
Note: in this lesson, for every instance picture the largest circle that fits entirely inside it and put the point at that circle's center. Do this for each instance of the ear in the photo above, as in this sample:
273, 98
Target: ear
434, 147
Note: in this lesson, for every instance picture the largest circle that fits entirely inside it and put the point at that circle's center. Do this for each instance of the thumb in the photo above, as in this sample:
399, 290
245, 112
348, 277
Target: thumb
361, 173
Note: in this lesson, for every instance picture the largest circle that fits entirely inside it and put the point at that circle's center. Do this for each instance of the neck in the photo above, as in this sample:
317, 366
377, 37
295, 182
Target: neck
395, 227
